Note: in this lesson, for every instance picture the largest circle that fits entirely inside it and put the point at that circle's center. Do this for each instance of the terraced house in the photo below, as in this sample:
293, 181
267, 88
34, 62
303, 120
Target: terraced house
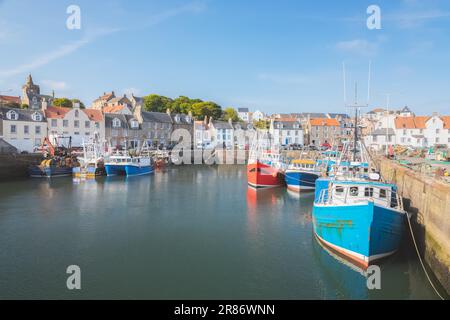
78, 124
286, 131
322, 131
23, 129
123, 131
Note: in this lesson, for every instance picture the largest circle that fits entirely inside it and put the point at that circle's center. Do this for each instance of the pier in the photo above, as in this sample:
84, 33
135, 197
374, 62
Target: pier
428, 202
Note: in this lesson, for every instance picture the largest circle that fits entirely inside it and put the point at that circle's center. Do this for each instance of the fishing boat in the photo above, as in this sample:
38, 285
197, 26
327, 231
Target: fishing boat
51, 168
355, 213
130, 165
92, 163
58, 161
265, 170
302, 174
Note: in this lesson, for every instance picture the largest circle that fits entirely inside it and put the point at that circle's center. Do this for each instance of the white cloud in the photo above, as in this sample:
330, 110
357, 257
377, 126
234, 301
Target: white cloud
358, 46
70, 48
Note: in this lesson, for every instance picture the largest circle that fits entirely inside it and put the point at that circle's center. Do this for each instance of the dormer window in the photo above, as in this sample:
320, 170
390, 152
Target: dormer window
134, 124
188, 119
12, 115
36, 117
116, 123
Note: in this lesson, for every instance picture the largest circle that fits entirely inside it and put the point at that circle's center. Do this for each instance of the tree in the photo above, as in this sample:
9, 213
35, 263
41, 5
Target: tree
24, 106
82, 106
157, 103
261, 124
183, 104
63, 102
210, 109
230, 113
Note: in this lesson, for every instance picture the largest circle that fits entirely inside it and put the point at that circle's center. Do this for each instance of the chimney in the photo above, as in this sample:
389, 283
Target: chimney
230, 121
138, 113
44, 105
190, 113
76, 105
168, 111
205, 120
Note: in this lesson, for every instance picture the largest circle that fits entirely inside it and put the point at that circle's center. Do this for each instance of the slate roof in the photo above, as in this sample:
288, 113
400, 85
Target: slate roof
156, 117
183, 118
242, 109
222, 125
24, 114
288, 124
109, 119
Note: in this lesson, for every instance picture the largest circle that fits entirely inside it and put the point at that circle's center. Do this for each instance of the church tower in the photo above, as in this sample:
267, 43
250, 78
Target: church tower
31, 93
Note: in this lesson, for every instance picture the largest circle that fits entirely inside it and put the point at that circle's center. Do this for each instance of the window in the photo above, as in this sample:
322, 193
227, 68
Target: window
339, 190
86, 133
77, 113
12, 115
134, 124
87, 124
437, 140
37, 130
65, 123
97, 125
36, 117
76, 133
404, 132
382, 194
368, 192
54, 122
26, 129
437, 130
354, 191
116, 123
13, 128
76, 123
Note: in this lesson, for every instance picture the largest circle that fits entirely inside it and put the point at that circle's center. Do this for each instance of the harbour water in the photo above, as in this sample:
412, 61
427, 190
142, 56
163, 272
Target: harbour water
191, 232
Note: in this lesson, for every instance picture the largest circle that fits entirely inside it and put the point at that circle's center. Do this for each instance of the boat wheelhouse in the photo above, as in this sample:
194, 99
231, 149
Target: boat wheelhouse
301, 175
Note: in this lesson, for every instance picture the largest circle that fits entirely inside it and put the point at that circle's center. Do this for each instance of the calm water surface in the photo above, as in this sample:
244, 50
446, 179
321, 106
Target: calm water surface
192, 232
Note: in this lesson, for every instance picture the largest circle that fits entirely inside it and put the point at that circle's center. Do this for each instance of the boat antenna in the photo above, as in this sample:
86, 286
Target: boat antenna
368, 82
345, 84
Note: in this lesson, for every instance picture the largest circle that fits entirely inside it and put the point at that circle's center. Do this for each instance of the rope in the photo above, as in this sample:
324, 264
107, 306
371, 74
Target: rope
420, 259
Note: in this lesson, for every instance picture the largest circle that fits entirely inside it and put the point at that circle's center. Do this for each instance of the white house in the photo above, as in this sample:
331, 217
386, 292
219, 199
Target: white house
286, 131
222, 133
244, 114
76, 123
24, 129
202, 135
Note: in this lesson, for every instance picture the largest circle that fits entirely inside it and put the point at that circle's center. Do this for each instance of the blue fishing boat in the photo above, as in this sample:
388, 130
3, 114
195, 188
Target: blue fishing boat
355, 214
128, 165
301, 175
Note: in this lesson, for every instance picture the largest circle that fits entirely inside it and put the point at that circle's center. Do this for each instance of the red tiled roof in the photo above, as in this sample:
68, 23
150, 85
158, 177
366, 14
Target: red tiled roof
10, 99
93, 115
286, 119
411, 122
324, 122
113, 109
446, 120
56, 112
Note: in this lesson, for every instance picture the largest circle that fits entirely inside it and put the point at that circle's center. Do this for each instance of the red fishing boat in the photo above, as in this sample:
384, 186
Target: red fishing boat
265, 171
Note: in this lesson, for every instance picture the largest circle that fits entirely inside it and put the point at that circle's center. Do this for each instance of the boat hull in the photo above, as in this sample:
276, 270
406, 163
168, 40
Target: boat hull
89, 172
300, 181
260, 175
131, 170
360, 233
49, 172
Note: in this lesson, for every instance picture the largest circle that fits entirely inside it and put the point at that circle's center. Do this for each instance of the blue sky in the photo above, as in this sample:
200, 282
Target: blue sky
275, 56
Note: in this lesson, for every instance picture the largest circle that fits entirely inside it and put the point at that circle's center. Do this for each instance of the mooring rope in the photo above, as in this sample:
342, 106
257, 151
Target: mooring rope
420, 258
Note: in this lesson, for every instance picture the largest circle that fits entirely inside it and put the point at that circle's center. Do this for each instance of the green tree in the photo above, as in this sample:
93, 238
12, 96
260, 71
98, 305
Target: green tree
230, 113
157, 103
62, 102
261, 124
210, 109
24, 106
183, 104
